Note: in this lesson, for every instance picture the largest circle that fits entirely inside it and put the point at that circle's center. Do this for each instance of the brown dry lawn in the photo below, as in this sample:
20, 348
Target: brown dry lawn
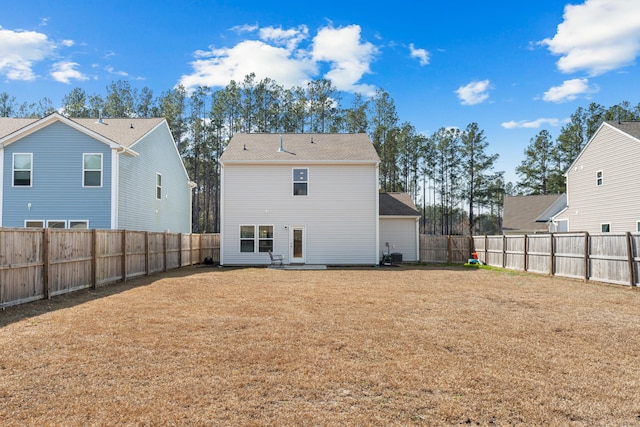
387, 346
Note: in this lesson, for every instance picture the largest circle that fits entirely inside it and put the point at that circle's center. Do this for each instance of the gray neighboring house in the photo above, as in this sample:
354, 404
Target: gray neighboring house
532, 214
603, 183
399, 226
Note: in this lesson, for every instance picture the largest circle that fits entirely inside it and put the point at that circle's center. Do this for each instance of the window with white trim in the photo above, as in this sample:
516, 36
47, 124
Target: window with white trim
247, 238
92, 170
605, 228
79, 224
56, 224
599, 178
638, 226
34, 224
158, 186
300, 182
265, 238
22, 168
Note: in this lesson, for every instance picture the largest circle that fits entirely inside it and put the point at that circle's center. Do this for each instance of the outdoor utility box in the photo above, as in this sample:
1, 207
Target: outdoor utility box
396, 258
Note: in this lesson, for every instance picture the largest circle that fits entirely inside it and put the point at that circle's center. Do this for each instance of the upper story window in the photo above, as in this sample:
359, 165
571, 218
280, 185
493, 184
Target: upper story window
300, 182
92, 170
158, 186
599, 178
22, 166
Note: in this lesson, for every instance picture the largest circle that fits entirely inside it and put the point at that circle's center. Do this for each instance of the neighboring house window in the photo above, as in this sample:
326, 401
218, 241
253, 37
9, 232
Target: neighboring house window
57, 224
638, 226
599, 178
79, 224
34, 224
247, 238
265, 238
22, 163
605, 228
158, 186
92, 170
300, 182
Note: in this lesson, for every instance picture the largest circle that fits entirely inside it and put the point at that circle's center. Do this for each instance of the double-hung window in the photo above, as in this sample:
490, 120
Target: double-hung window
265, 238
599, 178
300, 182
247, 238
92, 170
22, 167
158, 186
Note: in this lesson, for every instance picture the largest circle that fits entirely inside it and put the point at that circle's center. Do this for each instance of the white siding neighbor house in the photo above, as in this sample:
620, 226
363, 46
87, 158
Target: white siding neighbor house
399, 226
603, 183
532, 214
62, 172
312, 198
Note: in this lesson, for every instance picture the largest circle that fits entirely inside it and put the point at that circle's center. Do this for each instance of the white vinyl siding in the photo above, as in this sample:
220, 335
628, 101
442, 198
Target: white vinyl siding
401, 234
589, 206
340, 214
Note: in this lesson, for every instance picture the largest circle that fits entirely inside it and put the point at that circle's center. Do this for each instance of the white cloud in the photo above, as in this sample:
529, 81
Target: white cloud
568, 90
597, 36
534, 124
279, 55
290, 38
219, 66
349, 58
246, 28
474, 92
65, 71
20, 51
420, 54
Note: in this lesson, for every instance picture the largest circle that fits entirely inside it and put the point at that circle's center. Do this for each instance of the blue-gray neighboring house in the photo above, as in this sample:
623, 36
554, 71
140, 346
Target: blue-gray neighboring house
62, 172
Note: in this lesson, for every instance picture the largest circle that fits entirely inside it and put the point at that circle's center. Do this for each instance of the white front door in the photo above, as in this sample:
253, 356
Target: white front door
297, 245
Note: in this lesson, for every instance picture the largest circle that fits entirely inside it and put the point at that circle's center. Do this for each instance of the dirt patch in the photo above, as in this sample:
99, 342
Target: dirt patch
400, 346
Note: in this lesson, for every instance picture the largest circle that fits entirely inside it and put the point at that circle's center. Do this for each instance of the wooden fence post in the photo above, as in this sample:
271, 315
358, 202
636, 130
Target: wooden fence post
46, 263
486, 249
147, 255
124, 255
164, 243
632, 280
94, 259
526, 250
449, 250
504, 250
586, 256
551, 254
179, 250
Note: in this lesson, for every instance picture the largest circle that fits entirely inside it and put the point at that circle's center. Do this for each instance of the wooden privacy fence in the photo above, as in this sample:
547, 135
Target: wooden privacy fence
41, 263
604, 257
445, 249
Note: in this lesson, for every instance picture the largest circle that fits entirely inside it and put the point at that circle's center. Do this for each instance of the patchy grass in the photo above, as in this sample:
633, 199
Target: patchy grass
403, 346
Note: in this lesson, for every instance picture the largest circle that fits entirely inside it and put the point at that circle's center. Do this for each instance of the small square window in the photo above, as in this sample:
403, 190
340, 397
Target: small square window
605, 228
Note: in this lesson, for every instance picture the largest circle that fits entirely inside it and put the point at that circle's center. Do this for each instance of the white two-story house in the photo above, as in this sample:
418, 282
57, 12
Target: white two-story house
603, 183
312, 198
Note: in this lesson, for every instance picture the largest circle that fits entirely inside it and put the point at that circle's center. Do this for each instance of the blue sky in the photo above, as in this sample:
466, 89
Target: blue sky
514, 68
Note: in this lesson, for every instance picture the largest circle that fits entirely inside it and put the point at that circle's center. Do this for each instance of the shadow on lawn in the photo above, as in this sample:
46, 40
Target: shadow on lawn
20, 312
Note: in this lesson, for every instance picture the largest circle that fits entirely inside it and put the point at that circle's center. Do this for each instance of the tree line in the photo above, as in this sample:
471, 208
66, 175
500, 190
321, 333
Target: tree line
449, 174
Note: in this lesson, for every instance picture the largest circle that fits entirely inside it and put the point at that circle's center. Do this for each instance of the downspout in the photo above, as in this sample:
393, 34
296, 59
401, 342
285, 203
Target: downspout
115, 186
377, 197
222, 225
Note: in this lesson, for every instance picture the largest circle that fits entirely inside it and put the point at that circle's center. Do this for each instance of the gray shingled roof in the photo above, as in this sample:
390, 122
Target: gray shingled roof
521, 212
631, 128
300, 147
121, 131
398, 204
